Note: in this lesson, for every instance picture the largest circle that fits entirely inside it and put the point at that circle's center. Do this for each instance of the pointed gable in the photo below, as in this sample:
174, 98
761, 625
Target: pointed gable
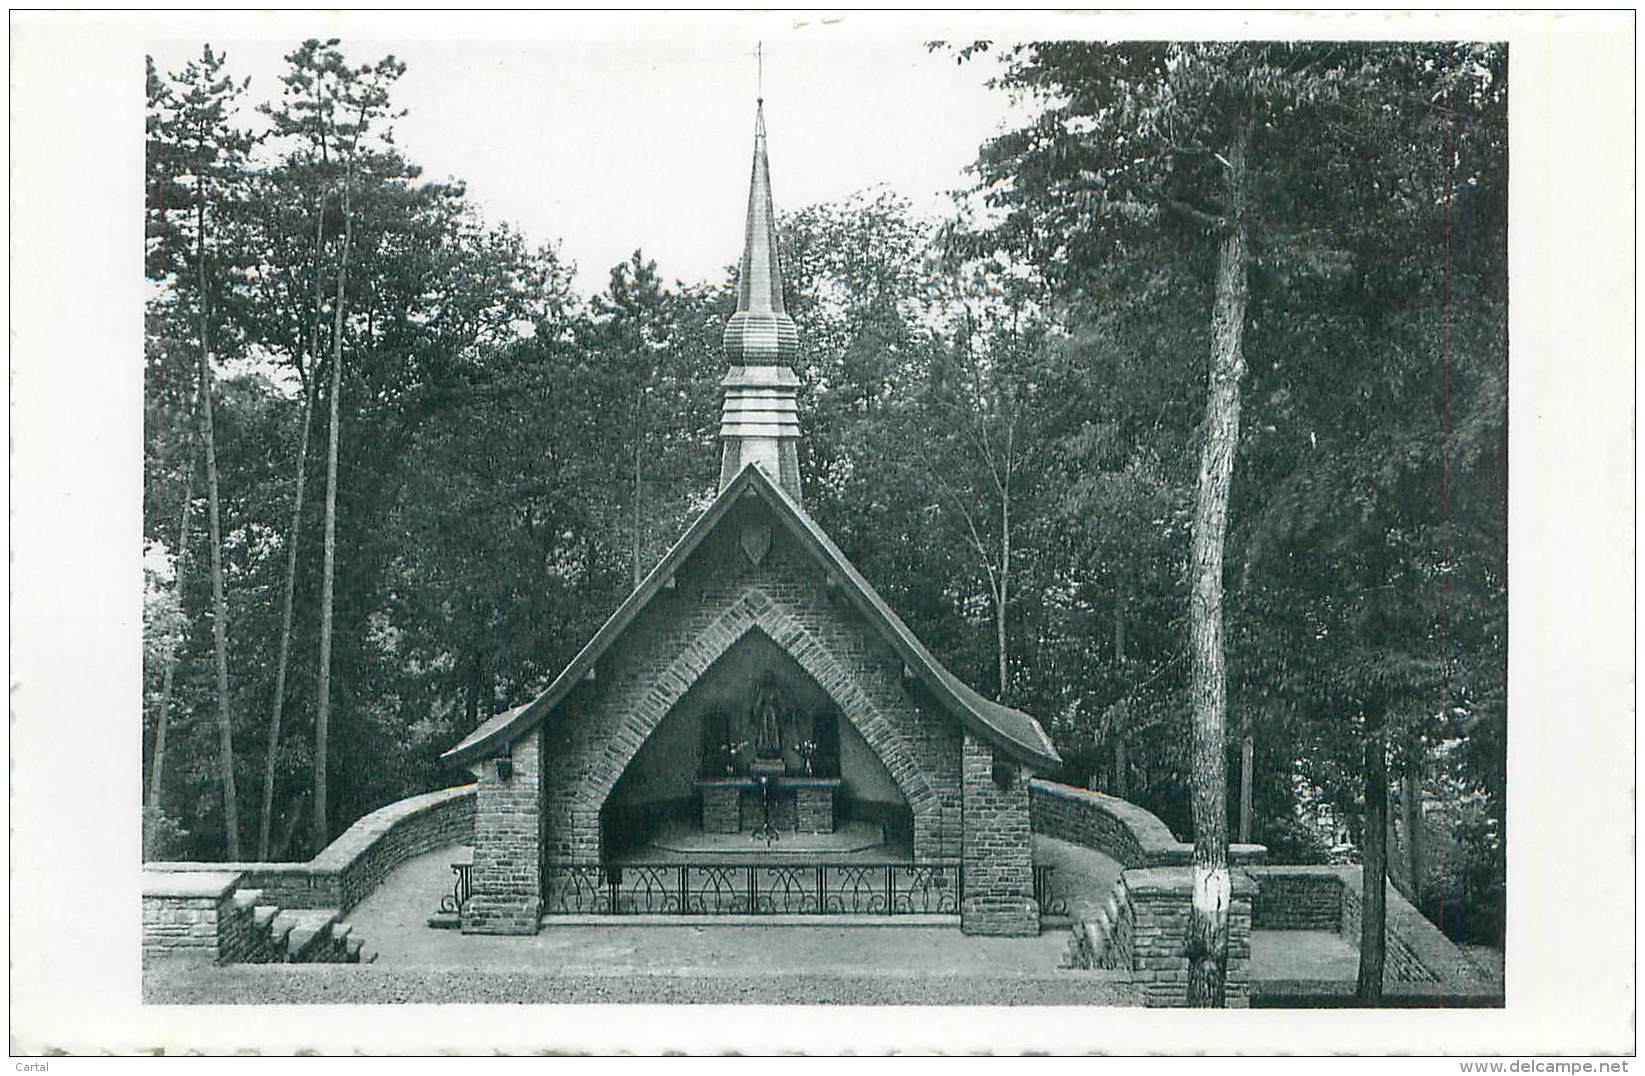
1019, 734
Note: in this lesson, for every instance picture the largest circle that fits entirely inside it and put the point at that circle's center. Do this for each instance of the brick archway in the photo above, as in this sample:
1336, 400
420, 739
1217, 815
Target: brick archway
757, 611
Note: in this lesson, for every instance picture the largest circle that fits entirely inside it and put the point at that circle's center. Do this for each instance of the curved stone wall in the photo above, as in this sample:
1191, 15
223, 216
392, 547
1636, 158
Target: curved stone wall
351, 866
372, 847
1130, 835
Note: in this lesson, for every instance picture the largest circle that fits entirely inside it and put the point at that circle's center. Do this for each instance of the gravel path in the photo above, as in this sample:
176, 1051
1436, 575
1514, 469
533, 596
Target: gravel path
893, 964
394, 923
172, 983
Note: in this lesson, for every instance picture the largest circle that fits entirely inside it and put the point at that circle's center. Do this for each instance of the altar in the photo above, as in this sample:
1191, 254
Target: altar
769, 766
748, 803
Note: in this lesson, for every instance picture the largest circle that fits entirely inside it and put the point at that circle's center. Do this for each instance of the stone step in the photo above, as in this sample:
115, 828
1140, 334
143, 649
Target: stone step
355, 944
263, 915
1097, 936
1080, 953
310, 932
306, 943
279, 933
247, 898
341, 935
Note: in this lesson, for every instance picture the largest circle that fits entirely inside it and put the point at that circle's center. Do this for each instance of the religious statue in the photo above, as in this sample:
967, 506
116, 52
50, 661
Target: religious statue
767, 722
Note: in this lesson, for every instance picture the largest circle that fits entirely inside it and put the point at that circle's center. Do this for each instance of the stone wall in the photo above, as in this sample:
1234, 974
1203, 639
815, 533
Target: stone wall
350, 867
187, 913
1160, 899
204, 915
1298, 901
371, 848
1400, 962
507, 872
720, 595
1328, 897
289, 885
209, 916
1130, 835
238, 939
999, 850
1126, 833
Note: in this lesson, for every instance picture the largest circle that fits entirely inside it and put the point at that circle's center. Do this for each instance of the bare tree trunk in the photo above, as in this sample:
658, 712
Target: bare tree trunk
471, 707
999, 642
1410, 801
225, 727
1373, 916
1208, 915
1000, 470
639, 441
1247, 771
157, 766
1247, 748
1122, 763
219, 625
1122, 769
493, 691
283, 660
1005, 582
322, 716
279, 850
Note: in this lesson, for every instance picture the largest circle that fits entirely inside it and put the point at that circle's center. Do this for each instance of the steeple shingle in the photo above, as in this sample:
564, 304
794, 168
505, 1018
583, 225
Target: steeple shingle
761, 333
759, 420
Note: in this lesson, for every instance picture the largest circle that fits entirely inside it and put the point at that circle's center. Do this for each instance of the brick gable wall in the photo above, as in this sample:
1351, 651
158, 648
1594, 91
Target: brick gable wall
719, 595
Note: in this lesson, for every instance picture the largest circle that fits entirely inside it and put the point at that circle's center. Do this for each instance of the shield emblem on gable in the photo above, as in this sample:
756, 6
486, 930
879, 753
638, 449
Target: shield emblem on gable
756, 540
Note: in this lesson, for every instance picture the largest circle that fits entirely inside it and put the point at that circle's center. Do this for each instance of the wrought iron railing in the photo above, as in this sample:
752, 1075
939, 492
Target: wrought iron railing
1044, 891
753, 889
452, 902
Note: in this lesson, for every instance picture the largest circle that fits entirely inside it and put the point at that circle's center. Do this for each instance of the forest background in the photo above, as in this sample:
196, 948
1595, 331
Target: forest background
1003, 414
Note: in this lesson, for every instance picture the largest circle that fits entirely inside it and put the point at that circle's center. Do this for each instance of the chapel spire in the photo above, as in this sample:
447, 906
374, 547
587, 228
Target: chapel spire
761, 333
759, 421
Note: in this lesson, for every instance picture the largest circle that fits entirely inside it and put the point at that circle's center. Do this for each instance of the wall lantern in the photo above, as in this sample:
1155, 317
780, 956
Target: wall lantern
1005, 772
505, 763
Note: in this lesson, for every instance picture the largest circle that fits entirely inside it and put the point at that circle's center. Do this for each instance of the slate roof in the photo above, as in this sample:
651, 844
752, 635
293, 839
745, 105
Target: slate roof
1015, 731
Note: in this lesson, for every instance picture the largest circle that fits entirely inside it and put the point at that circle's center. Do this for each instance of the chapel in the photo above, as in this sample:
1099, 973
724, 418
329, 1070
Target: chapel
754, 730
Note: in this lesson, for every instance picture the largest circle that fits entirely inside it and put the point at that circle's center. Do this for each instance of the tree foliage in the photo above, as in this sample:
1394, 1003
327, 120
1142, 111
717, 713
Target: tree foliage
1361, 616
1003, 412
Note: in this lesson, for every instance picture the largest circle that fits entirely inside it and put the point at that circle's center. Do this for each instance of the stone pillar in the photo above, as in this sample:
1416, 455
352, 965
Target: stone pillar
998, 845
721, 806
1160, 899
188, 913
814, 807
507, 871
